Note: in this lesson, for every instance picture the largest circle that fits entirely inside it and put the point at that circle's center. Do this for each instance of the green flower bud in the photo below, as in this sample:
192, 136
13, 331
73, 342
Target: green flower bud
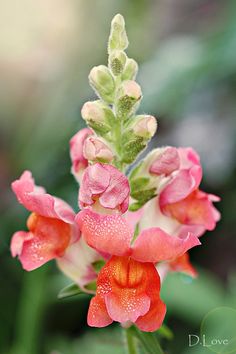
117, 60
128, 97
102, 82
118, 38
98, 116
130, 70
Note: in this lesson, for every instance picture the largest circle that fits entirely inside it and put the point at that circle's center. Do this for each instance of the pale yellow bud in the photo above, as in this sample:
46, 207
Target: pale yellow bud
145, 126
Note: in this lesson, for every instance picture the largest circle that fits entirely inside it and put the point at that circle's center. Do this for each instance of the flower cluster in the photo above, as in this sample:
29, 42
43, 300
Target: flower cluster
138, 226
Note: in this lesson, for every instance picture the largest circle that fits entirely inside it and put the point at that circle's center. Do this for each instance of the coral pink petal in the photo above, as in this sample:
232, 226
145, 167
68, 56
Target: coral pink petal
29, 250
188, 158
184, 183
197, 230
118, 190
35, 199
126, 305
76, 150
95, 181
97, 313
17, 242
105, 233
154, 317
155, 245
133, 217
196, 209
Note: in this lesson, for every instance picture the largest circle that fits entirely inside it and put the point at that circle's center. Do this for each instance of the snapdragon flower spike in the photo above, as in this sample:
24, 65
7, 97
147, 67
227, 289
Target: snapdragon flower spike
106, 185
51, 225
181, 198
127, 292
79, 161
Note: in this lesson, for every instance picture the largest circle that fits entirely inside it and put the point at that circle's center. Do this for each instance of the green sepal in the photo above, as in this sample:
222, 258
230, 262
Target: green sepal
99, 128
125, 105
132, 148
143, 196
138, 184
69, 291
135, 206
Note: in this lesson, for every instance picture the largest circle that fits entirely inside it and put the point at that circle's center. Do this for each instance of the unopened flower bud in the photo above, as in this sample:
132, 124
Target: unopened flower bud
102, 82
98, 116
130, 70
165, 161
96, 150
145, 126
92, 111
128, 97
118, 37
117, 60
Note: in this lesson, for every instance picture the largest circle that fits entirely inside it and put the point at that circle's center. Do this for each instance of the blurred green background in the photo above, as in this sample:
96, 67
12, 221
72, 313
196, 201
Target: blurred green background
187, 55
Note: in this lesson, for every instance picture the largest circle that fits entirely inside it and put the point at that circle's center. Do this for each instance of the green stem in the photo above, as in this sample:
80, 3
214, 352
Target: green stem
130, 341
31, 306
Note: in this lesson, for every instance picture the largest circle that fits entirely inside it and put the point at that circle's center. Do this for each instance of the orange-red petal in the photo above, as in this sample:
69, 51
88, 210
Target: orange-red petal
182, 264
130, 290
47, 239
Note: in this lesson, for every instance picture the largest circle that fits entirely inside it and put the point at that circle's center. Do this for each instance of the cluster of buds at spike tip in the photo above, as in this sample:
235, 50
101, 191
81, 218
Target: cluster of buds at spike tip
112, 118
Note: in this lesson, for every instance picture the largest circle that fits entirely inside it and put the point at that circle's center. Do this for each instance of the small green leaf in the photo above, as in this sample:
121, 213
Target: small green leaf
70, 290
135, 206
165, 332
143, 196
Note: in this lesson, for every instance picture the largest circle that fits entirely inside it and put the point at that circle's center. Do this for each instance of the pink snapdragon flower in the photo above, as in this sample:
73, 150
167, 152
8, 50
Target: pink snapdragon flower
180, 207
53, 233
179, 173
128, 286
105, 186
